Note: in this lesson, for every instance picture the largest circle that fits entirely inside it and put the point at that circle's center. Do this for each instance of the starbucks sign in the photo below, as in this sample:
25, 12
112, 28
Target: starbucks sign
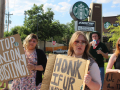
106, 25
79, 11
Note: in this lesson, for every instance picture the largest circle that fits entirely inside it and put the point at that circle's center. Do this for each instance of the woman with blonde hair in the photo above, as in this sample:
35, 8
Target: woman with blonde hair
114, 60
79, 48
36, 59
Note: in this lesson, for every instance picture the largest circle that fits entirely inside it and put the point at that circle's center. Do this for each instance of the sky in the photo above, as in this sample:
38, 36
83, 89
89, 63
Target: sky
60, 8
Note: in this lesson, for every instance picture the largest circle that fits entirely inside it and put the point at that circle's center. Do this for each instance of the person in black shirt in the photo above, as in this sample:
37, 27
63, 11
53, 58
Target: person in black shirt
99, 51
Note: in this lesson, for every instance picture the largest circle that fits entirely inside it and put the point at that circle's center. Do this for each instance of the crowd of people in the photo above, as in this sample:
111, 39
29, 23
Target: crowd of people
79, 47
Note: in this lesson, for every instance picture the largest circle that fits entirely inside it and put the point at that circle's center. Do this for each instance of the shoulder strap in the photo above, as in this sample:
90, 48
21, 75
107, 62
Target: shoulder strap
91, 62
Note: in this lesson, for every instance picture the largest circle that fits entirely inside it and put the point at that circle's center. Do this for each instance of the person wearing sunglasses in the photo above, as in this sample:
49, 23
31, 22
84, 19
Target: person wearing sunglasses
99, 52
79, 48
114, 59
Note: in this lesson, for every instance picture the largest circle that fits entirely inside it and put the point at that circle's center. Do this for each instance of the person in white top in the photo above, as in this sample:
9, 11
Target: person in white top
79, 48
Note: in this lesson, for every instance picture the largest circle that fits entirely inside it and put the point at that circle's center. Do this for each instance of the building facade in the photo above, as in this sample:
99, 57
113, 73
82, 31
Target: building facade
107, 21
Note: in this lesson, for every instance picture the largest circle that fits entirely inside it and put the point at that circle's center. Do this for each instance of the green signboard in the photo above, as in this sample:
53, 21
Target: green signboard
106, 25
79, 11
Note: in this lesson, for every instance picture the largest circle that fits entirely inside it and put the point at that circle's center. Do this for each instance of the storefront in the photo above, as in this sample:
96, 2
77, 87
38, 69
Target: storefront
107, 21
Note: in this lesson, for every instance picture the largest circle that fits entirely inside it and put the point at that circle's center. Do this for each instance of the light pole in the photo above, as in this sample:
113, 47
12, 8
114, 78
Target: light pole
37, 25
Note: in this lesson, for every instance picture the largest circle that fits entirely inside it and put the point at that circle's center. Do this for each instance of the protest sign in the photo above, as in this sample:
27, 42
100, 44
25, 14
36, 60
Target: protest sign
64, 73
12, 58
111, 81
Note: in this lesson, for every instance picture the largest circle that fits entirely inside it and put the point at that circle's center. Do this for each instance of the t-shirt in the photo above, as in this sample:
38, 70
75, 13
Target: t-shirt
98, 57
94, 73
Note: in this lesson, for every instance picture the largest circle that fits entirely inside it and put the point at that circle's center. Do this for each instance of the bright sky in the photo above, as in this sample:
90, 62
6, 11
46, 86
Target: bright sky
59, 7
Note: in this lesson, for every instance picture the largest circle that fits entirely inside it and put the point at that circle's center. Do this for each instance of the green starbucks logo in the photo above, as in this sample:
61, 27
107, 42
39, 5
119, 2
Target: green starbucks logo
106, 25
16, 44
80, 10
81, 88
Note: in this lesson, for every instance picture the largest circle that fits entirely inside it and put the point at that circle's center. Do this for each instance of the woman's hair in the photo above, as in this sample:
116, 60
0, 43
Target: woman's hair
28, 38
73, 38
117, 50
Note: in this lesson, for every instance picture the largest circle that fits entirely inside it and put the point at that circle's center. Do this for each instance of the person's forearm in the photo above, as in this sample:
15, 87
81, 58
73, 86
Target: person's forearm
104, 55
39, 68
94, 85
112, 70
90, 44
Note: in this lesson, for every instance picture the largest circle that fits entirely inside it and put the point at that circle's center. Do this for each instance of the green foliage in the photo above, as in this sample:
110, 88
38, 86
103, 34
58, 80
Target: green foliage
66, 31
47, 52
6, 34
114, 32
41, 23
21, 30
86, 19
69, 30
39, 20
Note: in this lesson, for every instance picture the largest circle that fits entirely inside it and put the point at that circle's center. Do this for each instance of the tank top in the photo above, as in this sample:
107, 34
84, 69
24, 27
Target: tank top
117, 63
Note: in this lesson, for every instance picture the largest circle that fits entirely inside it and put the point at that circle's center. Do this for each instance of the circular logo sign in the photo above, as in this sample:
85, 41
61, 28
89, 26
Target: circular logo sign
106, 25
81, 88
16, 44
79, 11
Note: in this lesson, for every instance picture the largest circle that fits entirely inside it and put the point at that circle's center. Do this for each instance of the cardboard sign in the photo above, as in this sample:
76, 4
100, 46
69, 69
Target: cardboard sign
111, 81
64, 73
12, 58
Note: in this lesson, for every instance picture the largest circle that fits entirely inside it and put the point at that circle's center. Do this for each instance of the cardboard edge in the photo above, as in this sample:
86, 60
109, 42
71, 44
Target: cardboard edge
48, 73
86, 71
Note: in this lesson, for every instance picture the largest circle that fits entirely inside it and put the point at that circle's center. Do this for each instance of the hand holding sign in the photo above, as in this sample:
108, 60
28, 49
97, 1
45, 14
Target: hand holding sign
87, 78
66, 74
30, 67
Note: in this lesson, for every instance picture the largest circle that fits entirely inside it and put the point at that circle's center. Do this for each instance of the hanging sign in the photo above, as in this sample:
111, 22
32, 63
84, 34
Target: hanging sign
79, 11
53, 42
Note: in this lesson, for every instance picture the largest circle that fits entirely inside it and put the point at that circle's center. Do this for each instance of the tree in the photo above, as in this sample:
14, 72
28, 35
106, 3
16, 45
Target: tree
67, 29
21, 30
70, 30
6, 34
47, 28
114, 32
71, 27
63, 31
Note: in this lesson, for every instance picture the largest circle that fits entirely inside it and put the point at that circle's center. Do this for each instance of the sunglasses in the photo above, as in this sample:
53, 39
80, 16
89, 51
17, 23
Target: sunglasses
118, 45
82, 42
